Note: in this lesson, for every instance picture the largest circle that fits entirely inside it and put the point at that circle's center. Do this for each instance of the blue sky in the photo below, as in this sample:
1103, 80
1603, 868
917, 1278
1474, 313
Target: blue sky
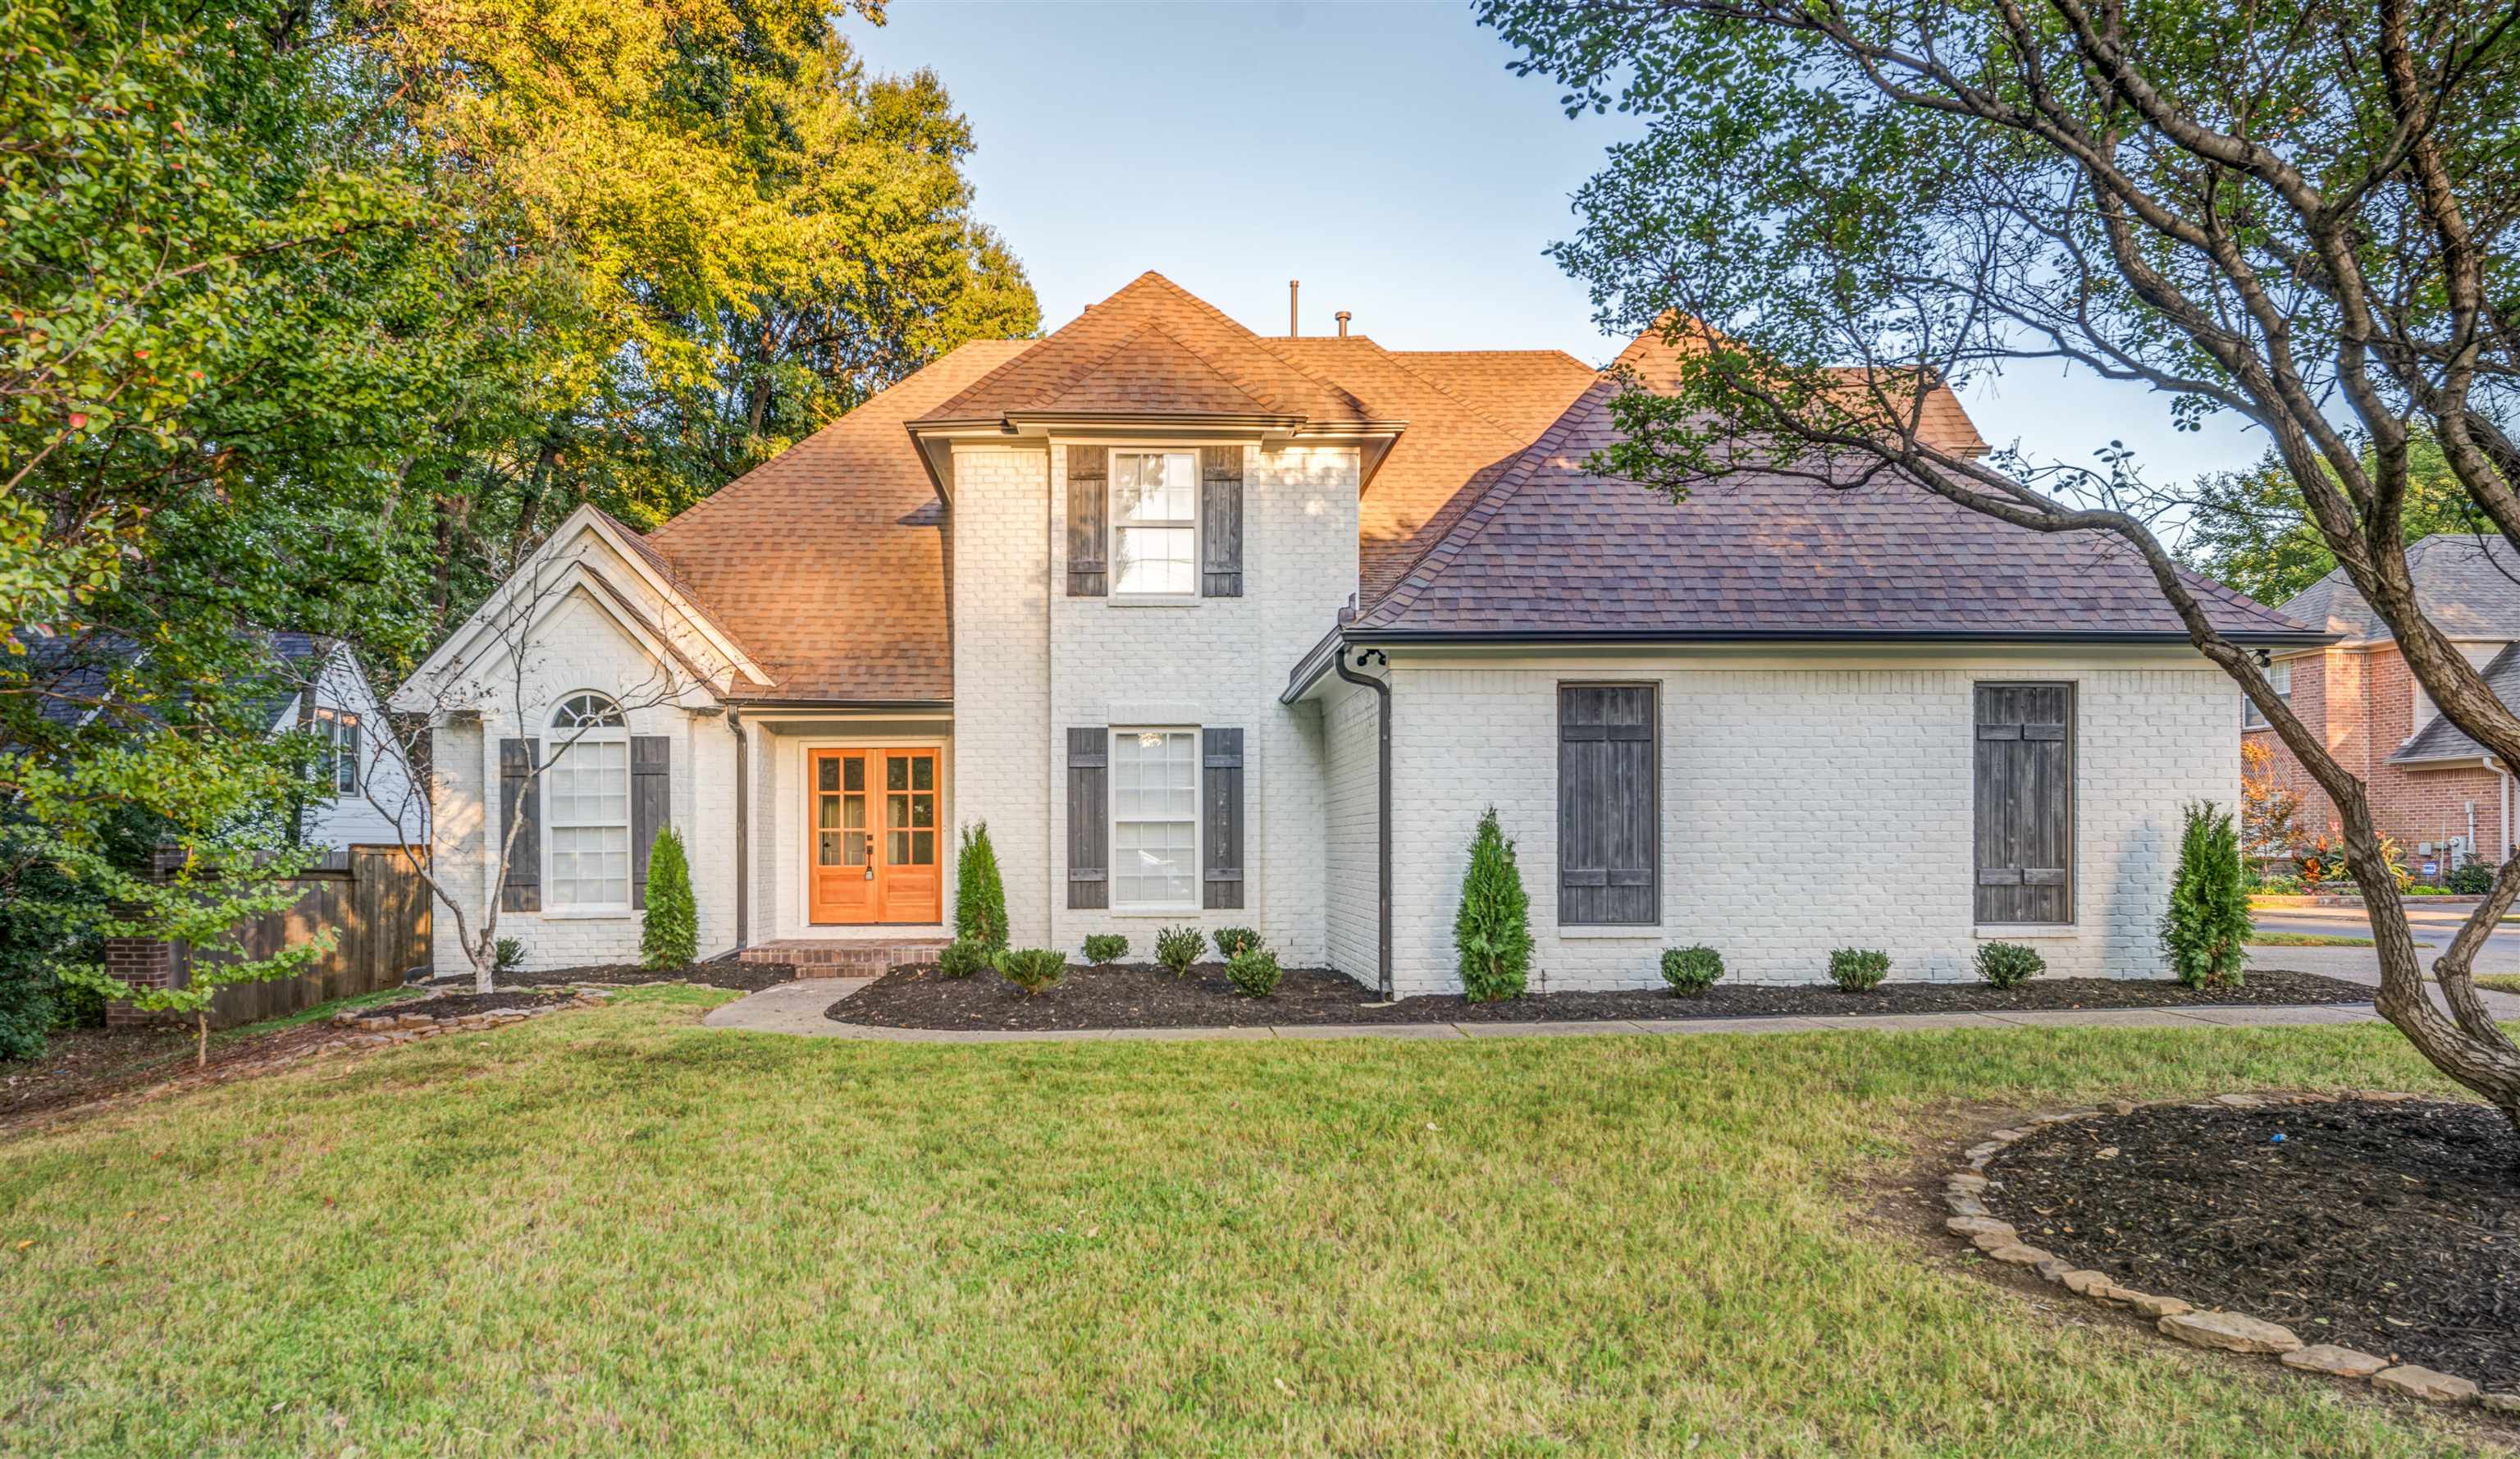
1379, 152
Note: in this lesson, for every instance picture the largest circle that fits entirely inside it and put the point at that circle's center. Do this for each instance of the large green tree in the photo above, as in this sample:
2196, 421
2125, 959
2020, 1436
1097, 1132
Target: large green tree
2252, 528
2297, 214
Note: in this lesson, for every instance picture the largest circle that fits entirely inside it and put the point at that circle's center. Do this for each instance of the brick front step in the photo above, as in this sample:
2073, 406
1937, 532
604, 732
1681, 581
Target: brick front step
836, 959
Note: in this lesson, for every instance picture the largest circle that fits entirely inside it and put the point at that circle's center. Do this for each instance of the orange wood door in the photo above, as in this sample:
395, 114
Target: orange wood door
909, 875
844, 881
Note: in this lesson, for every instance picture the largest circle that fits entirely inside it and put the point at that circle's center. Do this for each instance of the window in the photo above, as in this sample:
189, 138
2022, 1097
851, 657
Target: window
1609, 795
339, 732
2278, 674
1154, 819
2024, 814
587, 805
1154, 524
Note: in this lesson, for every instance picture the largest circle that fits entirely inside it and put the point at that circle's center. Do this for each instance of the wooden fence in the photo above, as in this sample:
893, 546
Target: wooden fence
378, 908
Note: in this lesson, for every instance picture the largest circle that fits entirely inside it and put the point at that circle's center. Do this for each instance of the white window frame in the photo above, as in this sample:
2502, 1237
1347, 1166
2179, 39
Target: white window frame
1114, 527
333, 722
1197, 818
2279, 673
561, 741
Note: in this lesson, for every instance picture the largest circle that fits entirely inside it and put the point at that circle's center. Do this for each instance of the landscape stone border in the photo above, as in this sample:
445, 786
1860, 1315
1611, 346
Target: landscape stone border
1973, 1222
415, 1021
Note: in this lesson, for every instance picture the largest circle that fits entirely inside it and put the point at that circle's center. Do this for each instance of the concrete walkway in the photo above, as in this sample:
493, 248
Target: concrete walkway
798, 1008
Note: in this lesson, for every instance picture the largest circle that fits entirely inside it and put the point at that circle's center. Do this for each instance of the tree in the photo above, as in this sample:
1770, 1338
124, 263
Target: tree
2205, 932
2300, 218
1492, 933
669, 934
2252, 529
2269, 810
979, 891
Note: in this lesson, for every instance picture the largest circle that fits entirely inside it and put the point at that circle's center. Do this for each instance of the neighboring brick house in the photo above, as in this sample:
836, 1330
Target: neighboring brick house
1223, 630
2432, 788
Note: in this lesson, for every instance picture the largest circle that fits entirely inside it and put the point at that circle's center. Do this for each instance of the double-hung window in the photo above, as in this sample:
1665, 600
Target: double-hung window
339, 732
2280, 676
1154, 524
587, 808
1154, 819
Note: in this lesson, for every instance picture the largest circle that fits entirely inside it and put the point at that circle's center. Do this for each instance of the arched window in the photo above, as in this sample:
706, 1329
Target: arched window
586, 809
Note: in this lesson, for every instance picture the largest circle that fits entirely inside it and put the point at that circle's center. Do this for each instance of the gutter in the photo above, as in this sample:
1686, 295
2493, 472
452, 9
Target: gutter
1382, 808
743, 829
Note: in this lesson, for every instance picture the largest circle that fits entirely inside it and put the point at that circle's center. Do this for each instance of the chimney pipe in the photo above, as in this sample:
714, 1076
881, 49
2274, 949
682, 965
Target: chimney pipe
1342, 316
1292, 285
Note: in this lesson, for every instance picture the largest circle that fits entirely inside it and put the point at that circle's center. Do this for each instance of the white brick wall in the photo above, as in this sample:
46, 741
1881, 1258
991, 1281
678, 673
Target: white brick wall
1002, 578
1806, 806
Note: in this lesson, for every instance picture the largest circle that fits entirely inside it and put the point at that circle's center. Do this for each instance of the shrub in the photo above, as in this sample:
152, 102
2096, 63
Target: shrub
2206, 931
979, 893
1232, 941
669, 930
963, 957
1177, 948
1102, 948
1492, 934
1253, 971
1691, 969
1857, 969
507, 955
26, 1011
2475, 878
2010, 965
2279, 884
1033, 969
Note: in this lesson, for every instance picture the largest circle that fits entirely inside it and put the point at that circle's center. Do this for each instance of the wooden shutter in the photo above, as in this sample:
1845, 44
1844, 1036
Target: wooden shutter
651, 804
1221, 807
2025, 802
1219, 523
1608, 804
1089, 507
1089, 823
521, 803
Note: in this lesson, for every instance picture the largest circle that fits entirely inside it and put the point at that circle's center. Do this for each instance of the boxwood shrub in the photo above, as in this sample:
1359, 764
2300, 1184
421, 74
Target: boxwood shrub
2010, 965
1253, 971
1857, 969
1177, 948
1033, 969
1691, 969
1104, 948
1230, 940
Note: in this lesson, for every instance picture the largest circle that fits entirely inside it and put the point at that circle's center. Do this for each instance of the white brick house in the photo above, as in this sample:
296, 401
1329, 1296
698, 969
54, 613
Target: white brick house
1148, 595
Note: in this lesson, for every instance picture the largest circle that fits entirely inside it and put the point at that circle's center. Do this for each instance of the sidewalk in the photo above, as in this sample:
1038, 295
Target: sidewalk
798, 1008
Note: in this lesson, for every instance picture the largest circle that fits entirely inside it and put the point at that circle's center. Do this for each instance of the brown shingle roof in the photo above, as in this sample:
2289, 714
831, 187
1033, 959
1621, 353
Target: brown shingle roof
828, 562
1551, 548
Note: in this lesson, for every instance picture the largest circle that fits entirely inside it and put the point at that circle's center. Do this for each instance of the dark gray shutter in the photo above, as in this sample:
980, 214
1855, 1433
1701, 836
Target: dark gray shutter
2025, 802
1608, 795
1088, 826
521, 803
1089, 507
651, 804
1220, 522
1221, 807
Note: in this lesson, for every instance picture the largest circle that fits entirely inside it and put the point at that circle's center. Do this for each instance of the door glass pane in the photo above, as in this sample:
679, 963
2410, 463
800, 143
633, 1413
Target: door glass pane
896, 810
922, 774
922, 849
922, 810
896, 848
829, 853
828, 774
896, 773
854, 814
853, 847
830, 813
856, 771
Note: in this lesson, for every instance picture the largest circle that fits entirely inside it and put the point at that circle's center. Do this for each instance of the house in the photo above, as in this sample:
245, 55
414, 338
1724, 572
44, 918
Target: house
369, 795
1218, 629
2439, 793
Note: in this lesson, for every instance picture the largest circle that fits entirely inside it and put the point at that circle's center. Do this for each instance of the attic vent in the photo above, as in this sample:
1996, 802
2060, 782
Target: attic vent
1342, 316
1293, 285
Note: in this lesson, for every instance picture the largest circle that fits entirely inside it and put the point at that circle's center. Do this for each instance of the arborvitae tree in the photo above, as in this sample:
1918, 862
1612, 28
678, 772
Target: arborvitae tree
2205, 933
1493, 933
979, 893
669, 934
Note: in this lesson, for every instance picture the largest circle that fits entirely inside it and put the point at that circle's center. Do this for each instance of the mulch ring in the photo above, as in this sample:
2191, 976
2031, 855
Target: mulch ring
2383, 1224
748, 978
1142, 995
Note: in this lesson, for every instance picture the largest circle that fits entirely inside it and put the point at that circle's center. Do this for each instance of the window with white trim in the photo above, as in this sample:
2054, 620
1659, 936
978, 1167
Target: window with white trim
586, 805
1154, 820
2279, 676
339, 729
1154, 524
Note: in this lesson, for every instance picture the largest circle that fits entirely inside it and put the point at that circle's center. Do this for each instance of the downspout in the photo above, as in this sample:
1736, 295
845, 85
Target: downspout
1382, 805
742, 830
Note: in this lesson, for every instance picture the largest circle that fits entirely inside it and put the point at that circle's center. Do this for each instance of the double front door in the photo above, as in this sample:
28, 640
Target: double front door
876, 852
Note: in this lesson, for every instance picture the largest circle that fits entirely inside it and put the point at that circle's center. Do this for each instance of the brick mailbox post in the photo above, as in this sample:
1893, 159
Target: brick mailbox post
143, 961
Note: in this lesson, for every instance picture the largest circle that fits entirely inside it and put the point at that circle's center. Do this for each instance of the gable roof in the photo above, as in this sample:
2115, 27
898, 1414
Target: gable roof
2467, 584
1551, 550
828, 561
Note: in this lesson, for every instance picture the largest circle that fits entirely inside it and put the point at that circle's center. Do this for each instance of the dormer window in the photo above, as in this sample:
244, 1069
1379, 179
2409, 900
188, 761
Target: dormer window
339, 731
1154, 524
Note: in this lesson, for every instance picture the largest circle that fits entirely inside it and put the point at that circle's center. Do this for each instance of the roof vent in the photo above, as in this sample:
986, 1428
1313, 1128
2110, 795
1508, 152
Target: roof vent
1342, 316
1292, 285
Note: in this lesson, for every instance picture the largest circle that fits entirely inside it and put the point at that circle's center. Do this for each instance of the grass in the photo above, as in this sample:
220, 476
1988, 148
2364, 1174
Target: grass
314, 1014
2500, 982
2310, 940
610, 1232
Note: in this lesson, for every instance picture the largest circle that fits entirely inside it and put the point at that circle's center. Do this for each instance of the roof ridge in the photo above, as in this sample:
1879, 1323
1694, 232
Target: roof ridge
1423, 572
1262, 340
1155, 326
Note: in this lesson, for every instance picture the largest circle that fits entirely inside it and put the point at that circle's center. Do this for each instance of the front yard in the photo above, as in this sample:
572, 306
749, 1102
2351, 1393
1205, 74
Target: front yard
609, 1232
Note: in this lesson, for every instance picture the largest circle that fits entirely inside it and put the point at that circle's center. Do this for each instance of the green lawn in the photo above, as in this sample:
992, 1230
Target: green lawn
2311, 940
610, 1232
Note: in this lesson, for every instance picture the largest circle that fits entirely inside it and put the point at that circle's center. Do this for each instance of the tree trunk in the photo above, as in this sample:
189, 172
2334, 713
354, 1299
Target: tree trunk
201, 1039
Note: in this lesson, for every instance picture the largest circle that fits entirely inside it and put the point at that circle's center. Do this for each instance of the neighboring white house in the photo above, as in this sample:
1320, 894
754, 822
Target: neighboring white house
1220, 630
370, 797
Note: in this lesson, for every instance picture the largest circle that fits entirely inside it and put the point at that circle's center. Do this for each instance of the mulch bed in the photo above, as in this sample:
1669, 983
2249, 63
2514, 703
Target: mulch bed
80, 1065
457, 1005
1142, 995
748, 978
2389, 1227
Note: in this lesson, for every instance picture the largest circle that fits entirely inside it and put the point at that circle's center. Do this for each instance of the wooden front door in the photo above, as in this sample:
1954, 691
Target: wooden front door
876, 852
